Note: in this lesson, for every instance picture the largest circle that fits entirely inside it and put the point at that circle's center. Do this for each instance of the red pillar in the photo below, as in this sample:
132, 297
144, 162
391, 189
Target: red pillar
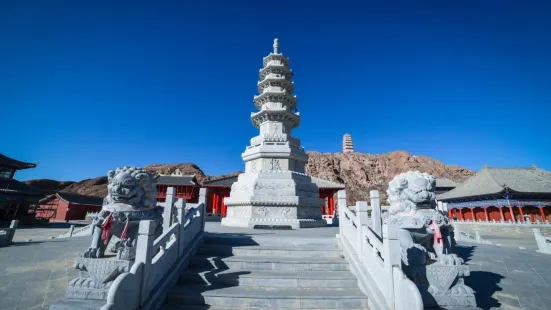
224, 208
450, 214
323, 196
542, 214
501, 213
521, 214
331, 204
215, 203
486, 213
472, 214
512, 214
461, 214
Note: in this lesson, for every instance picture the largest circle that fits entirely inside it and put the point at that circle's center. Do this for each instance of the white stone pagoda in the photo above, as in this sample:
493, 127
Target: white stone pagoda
274, 190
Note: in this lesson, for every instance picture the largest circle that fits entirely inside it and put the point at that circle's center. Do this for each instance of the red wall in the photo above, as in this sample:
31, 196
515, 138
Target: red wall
189, 193
64, 211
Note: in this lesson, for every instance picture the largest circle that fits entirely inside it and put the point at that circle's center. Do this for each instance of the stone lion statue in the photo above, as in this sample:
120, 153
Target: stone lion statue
426, 241
131, 197
425, 233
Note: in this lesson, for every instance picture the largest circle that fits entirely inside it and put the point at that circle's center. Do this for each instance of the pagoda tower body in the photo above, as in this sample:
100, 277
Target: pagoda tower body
347, 145
274, 190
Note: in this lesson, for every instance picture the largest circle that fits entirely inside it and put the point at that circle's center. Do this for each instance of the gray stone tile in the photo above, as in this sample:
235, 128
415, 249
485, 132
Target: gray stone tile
531, 300
546, 301
505, 300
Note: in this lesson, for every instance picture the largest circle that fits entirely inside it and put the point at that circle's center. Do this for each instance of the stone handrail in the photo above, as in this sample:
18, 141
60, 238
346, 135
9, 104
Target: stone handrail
373, 251
6, 234
544, 242
77, 232
159, 261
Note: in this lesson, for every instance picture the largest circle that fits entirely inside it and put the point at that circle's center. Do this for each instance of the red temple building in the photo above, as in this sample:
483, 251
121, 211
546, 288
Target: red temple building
63, 206
502, 194
16, 198
217, 190
185, 186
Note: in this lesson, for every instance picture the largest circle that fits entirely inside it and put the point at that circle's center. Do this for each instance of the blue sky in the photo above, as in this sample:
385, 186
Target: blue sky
86, 86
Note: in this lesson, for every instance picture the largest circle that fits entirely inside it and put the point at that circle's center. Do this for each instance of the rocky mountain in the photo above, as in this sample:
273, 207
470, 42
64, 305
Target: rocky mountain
360, 172
98, 186
364, 172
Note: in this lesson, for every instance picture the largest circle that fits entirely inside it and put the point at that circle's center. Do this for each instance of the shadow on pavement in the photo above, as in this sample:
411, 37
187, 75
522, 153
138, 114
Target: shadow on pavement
484, 283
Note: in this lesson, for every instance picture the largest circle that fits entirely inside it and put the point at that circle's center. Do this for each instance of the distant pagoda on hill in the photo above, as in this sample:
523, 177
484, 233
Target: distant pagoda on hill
347, 145
274, 189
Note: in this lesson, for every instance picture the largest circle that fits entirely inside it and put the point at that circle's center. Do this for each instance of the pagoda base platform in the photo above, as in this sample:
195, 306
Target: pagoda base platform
273, 217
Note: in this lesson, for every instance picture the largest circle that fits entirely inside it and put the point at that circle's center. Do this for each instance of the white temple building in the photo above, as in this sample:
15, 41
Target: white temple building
274, 189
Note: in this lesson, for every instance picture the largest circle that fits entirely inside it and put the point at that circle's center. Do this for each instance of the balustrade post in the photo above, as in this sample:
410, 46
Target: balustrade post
203, 206
167, 212
180, 206
392, 258
144, 254
362, 220
13, 228
341, 201
376, 219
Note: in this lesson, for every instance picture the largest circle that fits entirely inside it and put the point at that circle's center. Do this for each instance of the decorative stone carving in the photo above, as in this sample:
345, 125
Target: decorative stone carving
96, 277
131, 197
275, 165
426, 238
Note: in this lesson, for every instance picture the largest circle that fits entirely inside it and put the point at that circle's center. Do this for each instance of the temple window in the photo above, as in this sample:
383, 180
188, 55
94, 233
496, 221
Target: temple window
5, 172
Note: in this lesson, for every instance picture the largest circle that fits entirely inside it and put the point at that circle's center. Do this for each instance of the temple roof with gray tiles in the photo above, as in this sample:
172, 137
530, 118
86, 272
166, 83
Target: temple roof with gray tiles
443, 182
491, 181
227, 182
180, 180
75, 199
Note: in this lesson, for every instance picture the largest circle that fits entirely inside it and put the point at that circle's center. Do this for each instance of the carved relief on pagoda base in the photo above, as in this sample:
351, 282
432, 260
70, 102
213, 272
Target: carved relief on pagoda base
270, 216
279, 213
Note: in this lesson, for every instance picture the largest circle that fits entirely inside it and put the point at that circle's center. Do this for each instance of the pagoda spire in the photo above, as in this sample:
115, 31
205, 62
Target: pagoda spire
276, 46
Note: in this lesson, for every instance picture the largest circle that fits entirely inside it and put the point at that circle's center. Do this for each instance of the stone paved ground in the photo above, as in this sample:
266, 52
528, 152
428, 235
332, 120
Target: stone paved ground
44, 232
34, 275
509, 239
508, 278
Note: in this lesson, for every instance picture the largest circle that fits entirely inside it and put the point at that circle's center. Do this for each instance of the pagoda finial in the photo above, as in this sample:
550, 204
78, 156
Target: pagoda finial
276, 46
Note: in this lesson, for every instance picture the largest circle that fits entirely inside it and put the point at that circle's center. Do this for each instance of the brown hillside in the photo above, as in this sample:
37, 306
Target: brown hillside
364, 172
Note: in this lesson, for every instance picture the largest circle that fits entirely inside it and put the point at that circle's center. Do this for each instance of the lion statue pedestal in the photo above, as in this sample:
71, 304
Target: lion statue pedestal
427, 243
131, 198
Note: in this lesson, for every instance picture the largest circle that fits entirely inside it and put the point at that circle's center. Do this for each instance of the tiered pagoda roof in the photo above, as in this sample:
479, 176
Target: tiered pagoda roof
275, 100
6, 161
494, 181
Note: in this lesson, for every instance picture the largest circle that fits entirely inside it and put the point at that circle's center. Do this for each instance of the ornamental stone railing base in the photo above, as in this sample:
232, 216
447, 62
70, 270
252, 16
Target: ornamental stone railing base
6, 234
96, 277
544, 242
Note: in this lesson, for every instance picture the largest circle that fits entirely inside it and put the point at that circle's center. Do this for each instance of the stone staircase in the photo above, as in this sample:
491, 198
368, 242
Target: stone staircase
267, 272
